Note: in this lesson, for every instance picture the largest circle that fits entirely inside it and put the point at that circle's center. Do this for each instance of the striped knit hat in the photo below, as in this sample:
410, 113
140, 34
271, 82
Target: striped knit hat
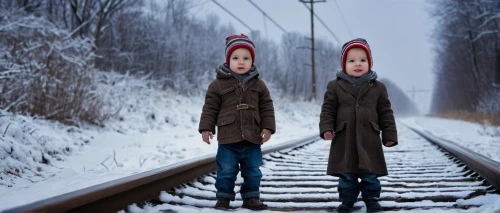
234, 42
358, 42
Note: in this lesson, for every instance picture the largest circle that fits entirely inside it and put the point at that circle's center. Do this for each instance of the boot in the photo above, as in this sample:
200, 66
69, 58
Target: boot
253, 204
372, 205
345, 207
222, 204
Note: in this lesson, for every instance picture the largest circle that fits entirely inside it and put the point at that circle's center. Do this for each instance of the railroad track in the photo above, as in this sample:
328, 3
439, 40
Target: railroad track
422, 175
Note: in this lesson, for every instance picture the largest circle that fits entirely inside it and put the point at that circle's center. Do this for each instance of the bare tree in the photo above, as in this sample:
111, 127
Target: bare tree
466, 59
296, 78
46, 72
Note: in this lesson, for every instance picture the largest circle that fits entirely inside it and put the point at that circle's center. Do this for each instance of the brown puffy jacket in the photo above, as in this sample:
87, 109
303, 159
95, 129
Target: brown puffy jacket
239, 113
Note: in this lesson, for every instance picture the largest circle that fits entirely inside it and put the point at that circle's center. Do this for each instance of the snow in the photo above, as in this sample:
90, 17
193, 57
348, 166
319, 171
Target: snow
153, 128
481, 138
407, 158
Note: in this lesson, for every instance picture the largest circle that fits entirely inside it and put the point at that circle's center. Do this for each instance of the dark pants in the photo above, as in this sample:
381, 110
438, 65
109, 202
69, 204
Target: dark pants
349, 187
230, 158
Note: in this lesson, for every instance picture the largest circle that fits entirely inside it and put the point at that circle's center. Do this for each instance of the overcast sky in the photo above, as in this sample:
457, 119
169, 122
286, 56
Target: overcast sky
397, 31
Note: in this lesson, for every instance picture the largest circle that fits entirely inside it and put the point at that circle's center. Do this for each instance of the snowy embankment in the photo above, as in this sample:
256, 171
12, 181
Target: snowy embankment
152, 128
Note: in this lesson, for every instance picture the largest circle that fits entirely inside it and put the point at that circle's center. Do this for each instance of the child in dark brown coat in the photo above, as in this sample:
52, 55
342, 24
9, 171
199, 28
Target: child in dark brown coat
355, 110
239, 104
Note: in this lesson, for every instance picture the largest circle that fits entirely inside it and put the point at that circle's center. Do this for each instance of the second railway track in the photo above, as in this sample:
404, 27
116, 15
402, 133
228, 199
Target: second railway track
422, 175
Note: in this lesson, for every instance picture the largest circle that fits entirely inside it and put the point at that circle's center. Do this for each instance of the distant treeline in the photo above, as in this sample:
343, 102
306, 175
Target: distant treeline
467, 57
50, 50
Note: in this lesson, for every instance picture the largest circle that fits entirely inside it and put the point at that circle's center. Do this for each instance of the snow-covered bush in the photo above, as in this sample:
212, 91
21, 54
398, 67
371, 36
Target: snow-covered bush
489, 103
31, 148
46, 71
489, 130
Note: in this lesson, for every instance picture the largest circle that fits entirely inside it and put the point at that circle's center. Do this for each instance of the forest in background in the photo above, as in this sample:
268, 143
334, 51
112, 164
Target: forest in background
51, 50
467, 62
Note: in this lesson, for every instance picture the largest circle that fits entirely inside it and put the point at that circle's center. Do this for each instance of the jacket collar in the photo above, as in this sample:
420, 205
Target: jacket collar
363, 88
223, 71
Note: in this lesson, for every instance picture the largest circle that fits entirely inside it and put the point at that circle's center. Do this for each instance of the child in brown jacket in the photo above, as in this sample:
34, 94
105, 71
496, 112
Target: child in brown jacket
239, 104
355, 110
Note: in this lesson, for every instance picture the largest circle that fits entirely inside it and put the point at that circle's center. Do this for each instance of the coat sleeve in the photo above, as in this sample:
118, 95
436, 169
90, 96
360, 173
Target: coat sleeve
266, 110
328, 109
211, 109
386, 117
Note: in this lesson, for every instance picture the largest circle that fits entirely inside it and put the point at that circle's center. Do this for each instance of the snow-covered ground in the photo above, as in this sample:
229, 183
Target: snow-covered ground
152, 129
42, 159
303, 183
483, 139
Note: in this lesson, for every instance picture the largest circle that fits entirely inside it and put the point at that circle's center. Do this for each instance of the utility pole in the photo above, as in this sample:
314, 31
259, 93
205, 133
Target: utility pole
312, 45
497, 73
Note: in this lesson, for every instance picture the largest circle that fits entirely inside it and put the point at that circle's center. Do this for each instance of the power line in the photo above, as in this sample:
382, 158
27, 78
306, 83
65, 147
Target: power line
201, 6
265, 14
343, 18
323, 23
227, 11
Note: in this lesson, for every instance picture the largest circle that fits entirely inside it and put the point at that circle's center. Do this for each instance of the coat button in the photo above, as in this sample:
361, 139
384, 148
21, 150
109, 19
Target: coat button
357, 106
244, 122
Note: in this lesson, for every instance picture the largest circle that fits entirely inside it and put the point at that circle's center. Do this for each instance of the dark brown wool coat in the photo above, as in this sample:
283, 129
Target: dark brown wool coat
234, 125
357, 117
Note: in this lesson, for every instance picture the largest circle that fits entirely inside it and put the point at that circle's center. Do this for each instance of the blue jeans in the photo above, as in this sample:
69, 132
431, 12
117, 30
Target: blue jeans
349, 187
230, 158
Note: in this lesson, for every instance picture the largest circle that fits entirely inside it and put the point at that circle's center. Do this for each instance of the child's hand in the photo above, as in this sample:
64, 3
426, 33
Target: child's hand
265, 134
329, 135
205, 136
389, 144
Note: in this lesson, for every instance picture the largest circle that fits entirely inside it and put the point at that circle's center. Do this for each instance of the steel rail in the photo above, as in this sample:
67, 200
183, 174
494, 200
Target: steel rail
422, 175
485, 167
116, 195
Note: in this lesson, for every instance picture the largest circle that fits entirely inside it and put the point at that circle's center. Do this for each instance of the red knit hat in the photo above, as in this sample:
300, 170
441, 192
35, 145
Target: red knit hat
234, 42
361, 43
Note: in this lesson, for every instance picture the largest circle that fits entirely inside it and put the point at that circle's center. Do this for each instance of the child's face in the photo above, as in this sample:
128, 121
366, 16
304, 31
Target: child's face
240, 61
356, 63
